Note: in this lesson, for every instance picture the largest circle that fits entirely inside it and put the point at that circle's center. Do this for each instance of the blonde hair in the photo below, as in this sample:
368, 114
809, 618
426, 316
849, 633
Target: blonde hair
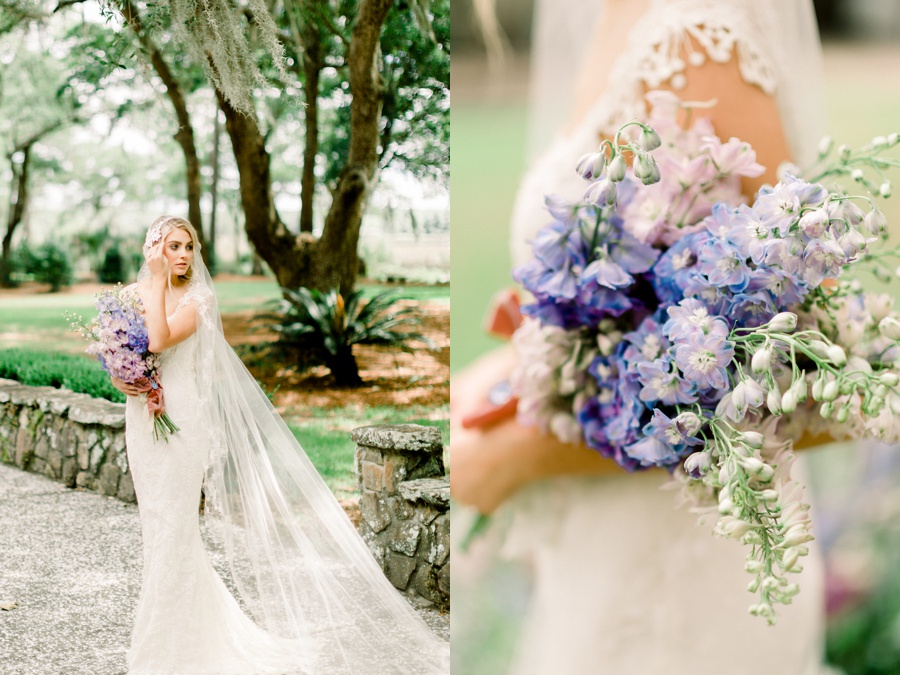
166, 224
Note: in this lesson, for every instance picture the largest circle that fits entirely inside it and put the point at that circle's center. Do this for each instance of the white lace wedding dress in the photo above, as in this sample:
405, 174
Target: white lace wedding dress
187, 621
623, 581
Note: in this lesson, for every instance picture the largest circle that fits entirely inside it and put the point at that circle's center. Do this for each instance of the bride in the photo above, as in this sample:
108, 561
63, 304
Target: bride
320, 604
622, 581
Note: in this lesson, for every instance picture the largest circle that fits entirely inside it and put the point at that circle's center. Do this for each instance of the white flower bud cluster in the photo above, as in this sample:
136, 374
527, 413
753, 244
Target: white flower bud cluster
760, 506
609, 158
551, 377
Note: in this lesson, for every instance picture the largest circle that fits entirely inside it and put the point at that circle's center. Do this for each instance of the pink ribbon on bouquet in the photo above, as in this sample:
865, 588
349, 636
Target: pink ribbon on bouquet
156, 404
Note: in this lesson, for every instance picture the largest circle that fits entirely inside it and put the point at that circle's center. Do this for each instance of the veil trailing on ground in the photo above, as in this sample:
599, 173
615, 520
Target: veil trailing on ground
298, 564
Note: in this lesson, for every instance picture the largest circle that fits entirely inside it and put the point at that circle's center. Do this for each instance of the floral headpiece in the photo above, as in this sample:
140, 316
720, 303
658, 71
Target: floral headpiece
154, 234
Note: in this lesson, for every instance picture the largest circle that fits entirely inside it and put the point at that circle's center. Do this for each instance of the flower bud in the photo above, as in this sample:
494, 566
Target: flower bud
645, 169
819, 348
875, 222
591, 165
791, 556
889, 327
602, 193
688, 423
825, 145
843, 414
752, 438
885, 189
616, 171
818, 388
783, 322
844, 152
697, 464
649, 139
752, 465
789, 402
827, 410
769, 495
813, 222
761, 360
889, 379
799, 389
879, 141
773, 401
857, 175
837, 355
794, 537
753, 566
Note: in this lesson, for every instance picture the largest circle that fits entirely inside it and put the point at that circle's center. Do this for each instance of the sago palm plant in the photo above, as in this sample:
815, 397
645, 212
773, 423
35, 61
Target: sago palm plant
330, 325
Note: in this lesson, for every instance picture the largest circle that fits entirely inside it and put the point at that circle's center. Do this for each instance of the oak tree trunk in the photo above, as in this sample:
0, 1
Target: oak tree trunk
332, 261
18, 200
185, 134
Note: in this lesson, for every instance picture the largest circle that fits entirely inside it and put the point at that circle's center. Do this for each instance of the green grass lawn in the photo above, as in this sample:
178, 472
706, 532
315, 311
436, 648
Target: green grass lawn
37, 321
325, 436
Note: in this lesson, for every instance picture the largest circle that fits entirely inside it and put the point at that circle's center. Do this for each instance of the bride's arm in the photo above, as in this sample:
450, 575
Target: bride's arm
489, 464
162, 332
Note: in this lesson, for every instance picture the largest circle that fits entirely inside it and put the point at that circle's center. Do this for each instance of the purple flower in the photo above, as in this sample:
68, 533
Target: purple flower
823, 259
661, 383
674, 267
647, 343
724, 265
671, 431
786, 289
650, 451
692, 317
704, 359
606, 272
752, 309
780, 206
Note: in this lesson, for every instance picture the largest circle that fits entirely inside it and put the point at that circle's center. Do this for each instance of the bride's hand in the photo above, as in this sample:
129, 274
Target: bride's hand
491, 463
124, 387
157, 263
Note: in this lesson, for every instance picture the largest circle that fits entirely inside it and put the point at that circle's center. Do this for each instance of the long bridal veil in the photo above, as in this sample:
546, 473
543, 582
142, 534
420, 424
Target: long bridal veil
298, 564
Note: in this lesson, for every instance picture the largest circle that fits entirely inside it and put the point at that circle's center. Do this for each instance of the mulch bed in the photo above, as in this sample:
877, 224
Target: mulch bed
391, 377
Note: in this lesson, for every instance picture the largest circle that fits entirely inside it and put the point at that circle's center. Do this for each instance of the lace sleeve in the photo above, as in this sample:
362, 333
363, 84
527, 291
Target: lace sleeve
700, 29
676, 33
203, 300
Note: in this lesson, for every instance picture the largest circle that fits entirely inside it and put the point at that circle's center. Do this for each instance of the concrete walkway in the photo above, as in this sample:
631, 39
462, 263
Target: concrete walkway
71, 562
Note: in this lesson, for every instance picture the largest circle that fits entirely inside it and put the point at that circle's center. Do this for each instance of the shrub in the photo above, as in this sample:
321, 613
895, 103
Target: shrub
325, 322
112, 269
53, 369
47, 264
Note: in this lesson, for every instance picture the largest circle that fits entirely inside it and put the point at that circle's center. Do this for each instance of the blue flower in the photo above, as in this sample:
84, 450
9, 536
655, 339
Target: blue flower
823, 259
786, 289
779, 207
724, 265
675, 266
752, 309
605, 272
650, 451
692, 317
703, 359
661, 383
665, 429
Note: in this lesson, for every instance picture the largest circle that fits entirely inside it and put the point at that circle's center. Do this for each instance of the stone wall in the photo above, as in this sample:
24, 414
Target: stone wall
405, 505
73, 438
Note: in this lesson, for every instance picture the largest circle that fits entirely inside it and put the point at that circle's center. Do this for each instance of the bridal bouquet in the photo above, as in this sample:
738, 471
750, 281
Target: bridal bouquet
673, 325
120, 342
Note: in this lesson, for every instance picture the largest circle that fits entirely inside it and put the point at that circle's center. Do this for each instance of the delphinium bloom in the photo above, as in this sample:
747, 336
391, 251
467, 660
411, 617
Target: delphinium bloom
120, 342
674, 325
